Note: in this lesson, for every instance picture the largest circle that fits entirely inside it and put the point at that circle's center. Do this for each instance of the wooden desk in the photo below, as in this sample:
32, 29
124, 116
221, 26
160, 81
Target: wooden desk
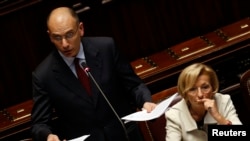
15, 119
215, 49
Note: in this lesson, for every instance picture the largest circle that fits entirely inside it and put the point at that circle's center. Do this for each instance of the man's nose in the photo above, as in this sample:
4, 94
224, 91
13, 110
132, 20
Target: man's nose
65, 43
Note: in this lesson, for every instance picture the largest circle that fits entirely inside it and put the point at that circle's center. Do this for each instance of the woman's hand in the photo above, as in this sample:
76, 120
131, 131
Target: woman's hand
211, 107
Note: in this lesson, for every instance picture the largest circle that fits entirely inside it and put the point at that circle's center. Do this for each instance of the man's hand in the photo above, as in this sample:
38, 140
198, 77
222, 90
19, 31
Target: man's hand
52, 137
149, 106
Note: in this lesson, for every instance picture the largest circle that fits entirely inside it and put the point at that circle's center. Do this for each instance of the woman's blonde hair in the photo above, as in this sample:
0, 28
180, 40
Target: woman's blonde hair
190, 74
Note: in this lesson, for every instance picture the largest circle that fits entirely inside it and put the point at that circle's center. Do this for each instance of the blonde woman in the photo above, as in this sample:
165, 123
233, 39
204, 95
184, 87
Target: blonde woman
201, 105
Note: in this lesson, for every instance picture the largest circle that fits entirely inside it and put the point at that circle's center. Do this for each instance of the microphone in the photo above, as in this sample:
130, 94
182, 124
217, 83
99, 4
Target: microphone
87, 70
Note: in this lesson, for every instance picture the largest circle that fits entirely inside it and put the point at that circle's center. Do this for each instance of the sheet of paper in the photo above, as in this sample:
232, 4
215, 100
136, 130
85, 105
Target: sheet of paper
157, 112
82, 138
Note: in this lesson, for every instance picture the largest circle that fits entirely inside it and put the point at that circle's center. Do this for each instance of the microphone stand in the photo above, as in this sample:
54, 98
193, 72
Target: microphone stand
87, 70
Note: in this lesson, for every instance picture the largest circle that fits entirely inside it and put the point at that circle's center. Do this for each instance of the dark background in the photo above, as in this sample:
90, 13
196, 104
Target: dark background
140, 27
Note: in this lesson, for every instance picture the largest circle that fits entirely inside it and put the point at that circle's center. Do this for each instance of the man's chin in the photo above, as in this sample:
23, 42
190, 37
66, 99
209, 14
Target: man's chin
68, 54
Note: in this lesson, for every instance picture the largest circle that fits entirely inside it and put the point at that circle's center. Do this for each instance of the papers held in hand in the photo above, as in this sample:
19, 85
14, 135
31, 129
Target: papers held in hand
157, 112
82, 138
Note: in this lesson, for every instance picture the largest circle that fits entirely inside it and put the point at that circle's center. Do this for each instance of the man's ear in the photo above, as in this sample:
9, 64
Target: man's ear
81, 27
49, 35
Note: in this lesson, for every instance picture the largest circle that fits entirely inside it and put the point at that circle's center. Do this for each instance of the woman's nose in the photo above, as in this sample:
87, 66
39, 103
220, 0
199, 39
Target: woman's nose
199, 92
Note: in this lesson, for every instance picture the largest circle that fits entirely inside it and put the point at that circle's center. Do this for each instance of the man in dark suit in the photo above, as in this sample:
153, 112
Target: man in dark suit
57, 89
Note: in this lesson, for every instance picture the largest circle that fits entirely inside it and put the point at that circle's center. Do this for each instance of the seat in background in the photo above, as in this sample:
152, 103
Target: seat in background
155, 130
245, 87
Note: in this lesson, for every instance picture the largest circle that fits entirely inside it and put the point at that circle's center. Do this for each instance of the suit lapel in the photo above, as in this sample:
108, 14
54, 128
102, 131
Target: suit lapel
95, 64
65, 76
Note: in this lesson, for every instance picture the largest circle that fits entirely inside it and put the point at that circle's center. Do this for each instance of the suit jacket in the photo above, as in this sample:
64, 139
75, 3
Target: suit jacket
57, 90
182, 127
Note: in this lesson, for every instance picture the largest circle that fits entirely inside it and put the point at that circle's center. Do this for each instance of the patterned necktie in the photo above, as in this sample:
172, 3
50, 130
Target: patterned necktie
82, 76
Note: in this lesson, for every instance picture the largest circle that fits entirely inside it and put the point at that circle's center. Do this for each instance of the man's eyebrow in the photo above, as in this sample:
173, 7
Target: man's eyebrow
71, 30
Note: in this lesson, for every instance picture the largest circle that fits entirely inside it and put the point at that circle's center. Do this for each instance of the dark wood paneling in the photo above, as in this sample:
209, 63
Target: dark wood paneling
140, 27
8, 6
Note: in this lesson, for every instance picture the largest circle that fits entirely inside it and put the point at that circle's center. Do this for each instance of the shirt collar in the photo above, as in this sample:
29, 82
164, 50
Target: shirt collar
69, 60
